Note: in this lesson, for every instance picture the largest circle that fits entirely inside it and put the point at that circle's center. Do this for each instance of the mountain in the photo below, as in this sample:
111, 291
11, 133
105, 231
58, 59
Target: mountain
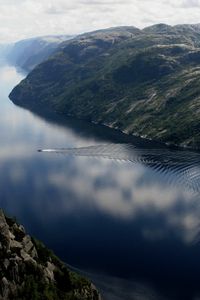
28, 53
143, 82
28, 270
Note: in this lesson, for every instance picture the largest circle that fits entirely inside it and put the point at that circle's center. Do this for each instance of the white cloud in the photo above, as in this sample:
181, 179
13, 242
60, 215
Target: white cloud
191, 3
27, 18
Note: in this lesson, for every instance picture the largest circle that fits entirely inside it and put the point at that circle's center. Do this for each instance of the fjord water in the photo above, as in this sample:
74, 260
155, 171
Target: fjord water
122, 224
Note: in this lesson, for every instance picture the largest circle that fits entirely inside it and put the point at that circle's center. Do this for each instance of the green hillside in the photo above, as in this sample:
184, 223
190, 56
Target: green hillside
144, 82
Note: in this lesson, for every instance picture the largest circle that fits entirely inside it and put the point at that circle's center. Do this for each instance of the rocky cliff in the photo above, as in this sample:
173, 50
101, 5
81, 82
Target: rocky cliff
28, 270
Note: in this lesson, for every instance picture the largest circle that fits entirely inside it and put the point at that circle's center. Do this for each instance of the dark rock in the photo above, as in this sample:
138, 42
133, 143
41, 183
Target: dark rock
25, 274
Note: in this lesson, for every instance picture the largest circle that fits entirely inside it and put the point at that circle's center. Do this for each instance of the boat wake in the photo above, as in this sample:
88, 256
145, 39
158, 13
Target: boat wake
180, 167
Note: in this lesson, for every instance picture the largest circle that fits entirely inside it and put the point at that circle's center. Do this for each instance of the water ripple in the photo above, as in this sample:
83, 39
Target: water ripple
180, 167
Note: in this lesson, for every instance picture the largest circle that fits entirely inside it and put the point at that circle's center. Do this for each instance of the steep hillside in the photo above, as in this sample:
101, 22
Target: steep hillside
28, 270
144, 82
26, 54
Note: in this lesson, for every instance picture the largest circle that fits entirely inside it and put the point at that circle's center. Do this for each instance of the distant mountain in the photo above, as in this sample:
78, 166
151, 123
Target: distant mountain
143, 82
28, 53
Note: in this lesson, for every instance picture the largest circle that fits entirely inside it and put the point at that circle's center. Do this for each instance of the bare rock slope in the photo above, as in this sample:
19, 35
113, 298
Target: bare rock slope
28, 270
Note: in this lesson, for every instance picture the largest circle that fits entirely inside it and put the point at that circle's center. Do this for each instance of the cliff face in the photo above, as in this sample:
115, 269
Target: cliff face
144, 82
28, 270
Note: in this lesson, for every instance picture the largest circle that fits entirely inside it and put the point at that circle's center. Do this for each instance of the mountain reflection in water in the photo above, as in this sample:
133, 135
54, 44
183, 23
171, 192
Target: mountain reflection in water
134, 228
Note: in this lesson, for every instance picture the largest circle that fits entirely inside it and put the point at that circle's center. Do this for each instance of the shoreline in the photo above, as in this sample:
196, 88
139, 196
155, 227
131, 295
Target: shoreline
41, 111
30, 270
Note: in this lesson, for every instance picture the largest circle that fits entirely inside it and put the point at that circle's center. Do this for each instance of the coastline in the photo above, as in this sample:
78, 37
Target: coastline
41, 111
30, 270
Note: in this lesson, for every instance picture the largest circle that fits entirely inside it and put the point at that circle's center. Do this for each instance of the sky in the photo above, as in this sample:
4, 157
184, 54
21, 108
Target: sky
21, 19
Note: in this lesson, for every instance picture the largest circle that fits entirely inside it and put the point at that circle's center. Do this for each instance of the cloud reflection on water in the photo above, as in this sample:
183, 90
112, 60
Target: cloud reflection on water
95, 213
106, 187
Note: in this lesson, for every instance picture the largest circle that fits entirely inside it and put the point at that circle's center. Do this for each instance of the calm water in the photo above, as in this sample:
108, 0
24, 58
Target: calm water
123, 224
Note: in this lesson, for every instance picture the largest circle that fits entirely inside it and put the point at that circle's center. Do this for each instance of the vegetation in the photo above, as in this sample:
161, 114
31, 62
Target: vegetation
66, 284
144, 82
28, 270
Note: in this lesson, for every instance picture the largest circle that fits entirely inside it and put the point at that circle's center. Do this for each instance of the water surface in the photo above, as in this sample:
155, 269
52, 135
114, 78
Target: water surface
123, 224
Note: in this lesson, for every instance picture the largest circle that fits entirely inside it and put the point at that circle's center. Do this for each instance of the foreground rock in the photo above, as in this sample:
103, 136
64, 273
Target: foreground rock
28, 270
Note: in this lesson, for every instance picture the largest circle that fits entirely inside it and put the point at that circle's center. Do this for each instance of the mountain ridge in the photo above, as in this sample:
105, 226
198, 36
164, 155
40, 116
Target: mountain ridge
28, 53
143, 82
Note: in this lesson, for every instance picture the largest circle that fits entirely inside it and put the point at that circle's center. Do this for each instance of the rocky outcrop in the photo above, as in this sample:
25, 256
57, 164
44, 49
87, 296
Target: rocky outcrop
28, 270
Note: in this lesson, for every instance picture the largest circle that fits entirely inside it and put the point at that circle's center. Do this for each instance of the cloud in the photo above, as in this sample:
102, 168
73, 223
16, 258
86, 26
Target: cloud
191, 3
27, 18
